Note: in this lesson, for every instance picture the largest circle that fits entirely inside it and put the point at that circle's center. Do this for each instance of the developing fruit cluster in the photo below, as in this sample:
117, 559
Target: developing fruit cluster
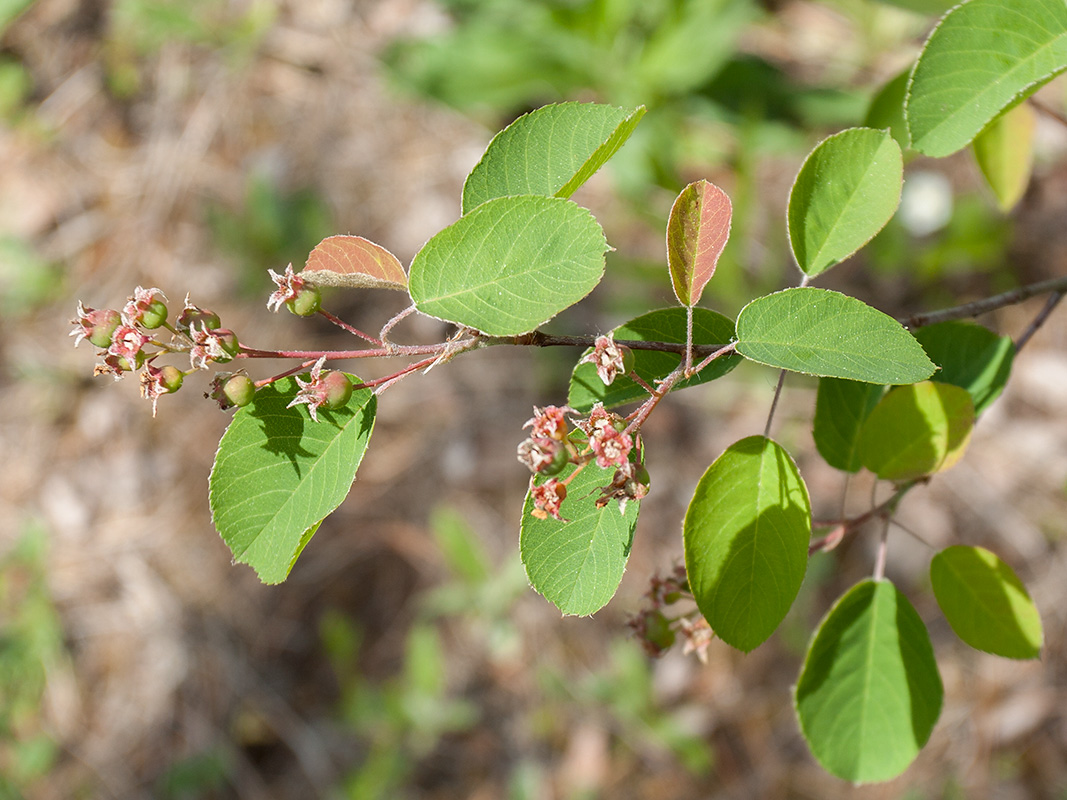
129, 341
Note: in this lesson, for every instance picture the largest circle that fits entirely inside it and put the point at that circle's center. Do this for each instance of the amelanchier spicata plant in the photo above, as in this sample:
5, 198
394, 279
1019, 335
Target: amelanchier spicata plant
898, 401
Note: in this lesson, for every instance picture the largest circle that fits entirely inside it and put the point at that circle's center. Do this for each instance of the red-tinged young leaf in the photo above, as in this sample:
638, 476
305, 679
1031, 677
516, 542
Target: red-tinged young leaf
354, 263
697, 231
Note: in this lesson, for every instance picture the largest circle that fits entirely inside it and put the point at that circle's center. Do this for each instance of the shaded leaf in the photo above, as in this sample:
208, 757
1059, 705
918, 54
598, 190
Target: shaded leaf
916, 430
887, 108
970, 356
550, 151
1005, 154
846, 191
577, 565
697, 230
869, 692
825, 333
841, 408
984, 56
746, 536
354, 262
985, 602
510, 265
663, 325
277, 474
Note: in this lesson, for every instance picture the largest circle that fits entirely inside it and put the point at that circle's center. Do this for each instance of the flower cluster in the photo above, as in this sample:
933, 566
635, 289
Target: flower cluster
657, 632
547, 451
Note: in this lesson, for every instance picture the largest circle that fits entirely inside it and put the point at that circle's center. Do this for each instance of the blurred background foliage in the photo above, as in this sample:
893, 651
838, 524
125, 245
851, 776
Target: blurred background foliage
192, 144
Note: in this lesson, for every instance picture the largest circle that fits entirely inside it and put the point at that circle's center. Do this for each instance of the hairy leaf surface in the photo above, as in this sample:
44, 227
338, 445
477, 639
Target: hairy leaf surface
278, 473
354, 262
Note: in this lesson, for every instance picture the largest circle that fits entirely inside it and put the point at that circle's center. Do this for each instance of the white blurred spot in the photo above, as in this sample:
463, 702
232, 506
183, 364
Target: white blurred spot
926, 203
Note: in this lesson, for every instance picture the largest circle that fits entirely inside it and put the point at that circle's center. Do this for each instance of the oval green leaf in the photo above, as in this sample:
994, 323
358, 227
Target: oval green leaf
697, 230
510, 265
841, 408
970, 356
577, 564
984, 56
663, 325
846, 191
829, 334
887, 108
278, 473
869, 692
985, 602
550, 151
746, 537
916, 430
354, 262
1005, 154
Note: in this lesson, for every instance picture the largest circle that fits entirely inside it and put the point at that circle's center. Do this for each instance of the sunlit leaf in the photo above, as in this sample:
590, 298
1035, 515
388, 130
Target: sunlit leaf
510, 265
278, 473
354, 262
869, 693
663, 325
697, 230
550, 151
916, 430
846, 191
746, 537
985, 602
970, 356
1005, 154
841, 408
984, 56
577, 564
825, 333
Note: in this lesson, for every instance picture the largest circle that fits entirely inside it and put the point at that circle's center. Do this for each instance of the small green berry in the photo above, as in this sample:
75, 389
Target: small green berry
307, 301
155, 315
171, 378
239, 390
627, 359
338, 389
200, 317
227, 340
103, 325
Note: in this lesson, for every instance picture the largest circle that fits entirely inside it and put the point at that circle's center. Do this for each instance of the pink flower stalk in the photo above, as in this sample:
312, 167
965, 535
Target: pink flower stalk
134, 310
127, 342
607, 358
548, 497
289, 286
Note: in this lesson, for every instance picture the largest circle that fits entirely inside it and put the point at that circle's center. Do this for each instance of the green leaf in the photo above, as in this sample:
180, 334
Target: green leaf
277, 474
841, 408
985, 602
917, 430
746, 537
846, 191
510, 265
663, 325
551, 151
984, 56
869, 692
354, 262
577, 564
887, 108
831, 335
1005, 154
970, 356
697, 230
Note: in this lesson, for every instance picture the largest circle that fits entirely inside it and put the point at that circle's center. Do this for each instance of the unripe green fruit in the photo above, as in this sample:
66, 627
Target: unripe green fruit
558, 463
239, 390
155, 315
307, 301
171, 378
338, 389
124, 363
200, 317
229, 344
627, 359
658, 632
103, 328
642, 476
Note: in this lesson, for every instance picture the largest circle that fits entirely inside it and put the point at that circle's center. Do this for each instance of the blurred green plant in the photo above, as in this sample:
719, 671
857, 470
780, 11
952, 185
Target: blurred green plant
273, 227
31, 645
27, 281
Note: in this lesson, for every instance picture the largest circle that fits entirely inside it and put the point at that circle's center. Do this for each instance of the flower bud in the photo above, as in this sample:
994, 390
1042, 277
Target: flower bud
308, 301
338, 389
